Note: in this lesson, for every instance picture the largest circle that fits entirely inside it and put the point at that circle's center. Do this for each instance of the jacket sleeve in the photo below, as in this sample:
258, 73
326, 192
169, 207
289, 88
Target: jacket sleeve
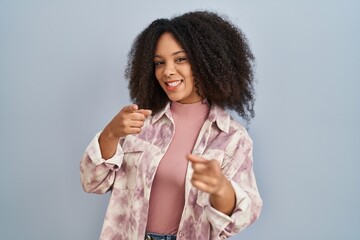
96, 174
238, 168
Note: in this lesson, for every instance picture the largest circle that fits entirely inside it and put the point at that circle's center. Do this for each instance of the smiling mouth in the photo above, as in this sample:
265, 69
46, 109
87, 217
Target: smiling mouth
173, 85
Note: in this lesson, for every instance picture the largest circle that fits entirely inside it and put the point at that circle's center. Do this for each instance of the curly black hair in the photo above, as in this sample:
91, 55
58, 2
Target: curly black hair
220, 57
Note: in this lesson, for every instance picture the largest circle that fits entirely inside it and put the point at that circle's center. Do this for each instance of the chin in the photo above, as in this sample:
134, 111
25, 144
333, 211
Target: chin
175, 98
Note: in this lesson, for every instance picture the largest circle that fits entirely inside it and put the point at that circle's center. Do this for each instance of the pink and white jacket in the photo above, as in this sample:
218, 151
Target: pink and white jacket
130, 172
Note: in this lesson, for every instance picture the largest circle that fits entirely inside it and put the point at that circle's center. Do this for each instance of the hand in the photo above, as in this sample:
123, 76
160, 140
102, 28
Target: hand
129, 120
207, 176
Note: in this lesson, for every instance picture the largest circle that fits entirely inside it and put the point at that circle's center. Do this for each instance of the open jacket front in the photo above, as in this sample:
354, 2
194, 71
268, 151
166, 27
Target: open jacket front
130, 172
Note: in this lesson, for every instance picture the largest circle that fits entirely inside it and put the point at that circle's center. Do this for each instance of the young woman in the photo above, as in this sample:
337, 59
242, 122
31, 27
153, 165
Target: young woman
177, 165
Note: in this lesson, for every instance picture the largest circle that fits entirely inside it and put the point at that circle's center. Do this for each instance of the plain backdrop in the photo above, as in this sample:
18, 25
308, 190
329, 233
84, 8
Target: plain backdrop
61, 81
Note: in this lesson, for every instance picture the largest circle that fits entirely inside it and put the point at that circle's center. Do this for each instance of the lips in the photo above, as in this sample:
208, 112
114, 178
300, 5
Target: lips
173, 85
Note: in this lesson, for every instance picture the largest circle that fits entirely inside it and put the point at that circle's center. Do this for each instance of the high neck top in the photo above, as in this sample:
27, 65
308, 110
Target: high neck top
181, 110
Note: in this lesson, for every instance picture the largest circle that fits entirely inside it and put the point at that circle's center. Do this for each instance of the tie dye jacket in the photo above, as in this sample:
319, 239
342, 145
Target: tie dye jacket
130, 172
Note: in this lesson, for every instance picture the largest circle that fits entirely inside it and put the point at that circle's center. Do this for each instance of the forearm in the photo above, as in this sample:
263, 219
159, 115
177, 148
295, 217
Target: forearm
98, 175
95, 178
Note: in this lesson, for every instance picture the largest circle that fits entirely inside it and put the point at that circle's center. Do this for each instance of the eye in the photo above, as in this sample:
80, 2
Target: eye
158, 63
181, 59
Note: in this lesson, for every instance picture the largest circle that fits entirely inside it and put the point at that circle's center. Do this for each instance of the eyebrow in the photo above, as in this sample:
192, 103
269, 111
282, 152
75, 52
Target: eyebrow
181, 51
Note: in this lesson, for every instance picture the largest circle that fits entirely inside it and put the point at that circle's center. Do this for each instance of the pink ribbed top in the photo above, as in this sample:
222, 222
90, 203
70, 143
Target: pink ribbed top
168, 189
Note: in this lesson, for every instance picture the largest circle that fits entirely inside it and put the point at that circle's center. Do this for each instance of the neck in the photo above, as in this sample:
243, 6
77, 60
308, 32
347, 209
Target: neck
190, 109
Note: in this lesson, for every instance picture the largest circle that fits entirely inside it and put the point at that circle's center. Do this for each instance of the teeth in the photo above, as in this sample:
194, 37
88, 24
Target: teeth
173, 84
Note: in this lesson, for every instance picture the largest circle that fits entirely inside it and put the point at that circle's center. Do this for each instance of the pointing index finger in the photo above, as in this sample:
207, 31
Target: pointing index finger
131, 108
146, 112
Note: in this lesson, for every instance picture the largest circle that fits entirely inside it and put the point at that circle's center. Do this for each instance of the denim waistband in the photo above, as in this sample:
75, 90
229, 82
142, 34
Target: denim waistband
154, 236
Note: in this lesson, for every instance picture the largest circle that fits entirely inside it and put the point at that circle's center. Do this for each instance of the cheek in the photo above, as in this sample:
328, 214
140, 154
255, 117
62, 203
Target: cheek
158, 79
158, 74
191, 82
189, 73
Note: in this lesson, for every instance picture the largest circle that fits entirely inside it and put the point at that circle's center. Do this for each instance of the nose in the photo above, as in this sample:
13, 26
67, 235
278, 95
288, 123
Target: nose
169, 70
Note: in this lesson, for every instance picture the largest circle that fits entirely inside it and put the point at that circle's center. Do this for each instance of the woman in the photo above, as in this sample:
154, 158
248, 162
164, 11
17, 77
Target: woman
182, 73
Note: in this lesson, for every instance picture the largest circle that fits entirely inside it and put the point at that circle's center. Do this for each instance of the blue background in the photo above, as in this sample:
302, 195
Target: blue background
61, 81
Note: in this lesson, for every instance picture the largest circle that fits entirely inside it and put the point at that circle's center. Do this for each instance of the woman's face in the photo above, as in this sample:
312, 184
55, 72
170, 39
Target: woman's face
173, 70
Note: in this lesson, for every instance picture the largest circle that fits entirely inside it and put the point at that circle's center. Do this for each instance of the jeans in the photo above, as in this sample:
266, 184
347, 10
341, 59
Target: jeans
154, 236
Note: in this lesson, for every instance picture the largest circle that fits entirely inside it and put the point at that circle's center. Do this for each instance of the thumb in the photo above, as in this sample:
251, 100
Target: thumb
195, 159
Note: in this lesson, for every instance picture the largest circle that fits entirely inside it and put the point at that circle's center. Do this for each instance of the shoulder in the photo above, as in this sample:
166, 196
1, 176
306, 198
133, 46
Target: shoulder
238, 129
231, 127
240, 138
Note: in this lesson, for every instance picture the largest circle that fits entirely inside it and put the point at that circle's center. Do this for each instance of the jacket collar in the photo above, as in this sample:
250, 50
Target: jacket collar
216, 114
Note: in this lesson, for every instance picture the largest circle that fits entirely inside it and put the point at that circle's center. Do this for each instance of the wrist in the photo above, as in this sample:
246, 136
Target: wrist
108, 144
225, 186
224, 199
109, 135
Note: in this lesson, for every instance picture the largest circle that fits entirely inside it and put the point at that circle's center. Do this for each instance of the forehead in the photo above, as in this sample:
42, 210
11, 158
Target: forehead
167, 44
